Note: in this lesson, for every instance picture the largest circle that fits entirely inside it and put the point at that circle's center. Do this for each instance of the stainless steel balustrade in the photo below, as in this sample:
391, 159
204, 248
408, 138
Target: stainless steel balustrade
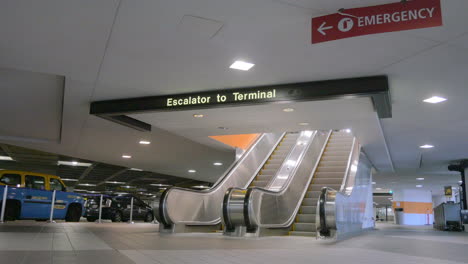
263, 208
180, 207
348, 211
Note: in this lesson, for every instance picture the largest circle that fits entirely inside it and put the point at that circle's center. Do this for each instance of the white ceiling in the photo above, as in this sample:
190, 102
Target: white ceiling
117, 49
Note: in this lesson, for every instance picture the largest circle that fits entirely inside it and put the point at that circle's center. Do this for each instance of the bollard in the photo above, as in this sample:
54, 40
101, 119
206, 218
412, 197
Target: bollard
100, 208
52, 205
2, 215
131, 212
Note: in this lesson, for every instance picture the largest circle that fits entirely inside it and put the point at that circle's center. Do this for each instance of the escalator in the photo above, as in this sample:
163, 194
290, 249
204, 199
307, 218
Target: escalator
328, 194
275, 161
330, 173
185, 210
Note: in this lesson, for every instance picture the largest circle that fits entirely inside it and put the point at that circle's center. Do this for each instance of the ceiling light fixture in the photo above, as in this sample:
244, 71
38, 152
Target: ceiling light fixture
217, 164
5, 158
223, 128
135, 169
348, 130
65, 179
420, 179
192, 171
74, 163
419, 186
241, 65
115, 182
145, 142
288, 110
374, 183
435, 100
378, 189
426, 146
303, 124
198, 115
159, 184
126, 156
86, 184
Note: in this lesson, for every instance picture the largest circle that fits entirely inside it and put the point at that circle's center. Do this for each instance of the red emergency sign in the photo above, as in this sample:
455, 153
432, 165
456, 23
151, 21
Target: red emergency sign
377, 19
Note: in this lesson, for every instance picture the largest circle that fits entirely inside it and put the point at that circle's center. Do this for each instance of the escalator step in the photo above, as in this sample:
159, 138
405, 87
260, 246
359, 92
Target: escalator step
259, 184
300, 233
307, 227
314, 194
308, 209
327, 180
331, 169
310, 202
265, 177
320, 175
318, 187
305, 218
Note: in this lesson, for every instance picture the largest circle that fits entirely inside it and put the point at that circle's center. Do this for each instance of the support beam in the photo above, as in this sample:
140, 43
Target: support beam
86, 172
113, 176
376, 88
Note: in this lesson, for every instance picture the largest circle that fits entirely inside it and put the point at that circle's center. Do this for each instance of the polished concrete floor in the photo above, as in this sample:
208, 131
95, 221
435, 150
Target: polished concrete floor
38, 242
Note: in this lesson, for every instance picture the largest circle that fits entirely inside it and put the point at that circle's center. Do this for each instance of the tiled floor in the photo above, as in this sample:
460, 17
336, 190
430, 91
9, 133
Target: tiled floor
35, 242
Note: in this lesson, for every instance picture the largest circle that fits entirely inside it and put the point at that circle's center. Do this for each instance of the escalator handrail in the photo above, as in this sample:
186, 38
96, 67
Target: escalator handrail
284, 188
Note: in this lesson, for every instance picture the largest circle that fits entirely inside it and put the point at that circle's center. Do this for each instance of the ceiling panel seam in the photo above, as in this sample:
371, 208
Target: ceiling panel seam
106, 46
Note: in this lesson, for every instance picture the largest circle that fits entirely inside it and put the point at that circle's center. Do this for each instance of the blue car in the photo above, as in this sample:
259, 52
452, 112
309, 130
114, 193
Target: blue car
29, 196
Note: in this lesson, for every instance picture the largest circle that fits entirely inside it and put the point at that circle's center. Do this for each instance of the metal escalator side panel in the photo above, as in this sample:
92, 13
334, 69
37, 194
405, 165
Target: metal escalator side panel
278, 209
191, 207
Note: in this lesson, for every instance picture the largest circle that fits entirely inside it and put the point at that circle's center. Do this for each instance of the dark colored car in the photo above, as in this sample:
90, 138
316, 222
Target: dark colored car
117, 209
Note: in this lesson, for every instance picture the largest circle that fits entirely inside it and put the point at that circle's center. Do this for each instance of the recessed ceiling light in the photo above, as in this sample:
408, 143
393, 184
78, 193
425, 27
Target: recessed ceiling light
223, 128
86, 184
126, 156
420, 179
115, 182
460, 182
374, 183
303, 124
159, 184
242, 65
73, 163
348, 130
198, 115
217, 164
419, 186
288, 110
65, 179
192, 171
145, 142
378, 189
426, 146
5, 158
435, 100
135, 169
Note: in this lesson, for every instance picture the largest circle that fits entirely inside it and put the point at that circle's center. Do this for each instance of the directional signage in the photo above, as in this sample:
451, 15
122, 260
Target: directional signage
399, 16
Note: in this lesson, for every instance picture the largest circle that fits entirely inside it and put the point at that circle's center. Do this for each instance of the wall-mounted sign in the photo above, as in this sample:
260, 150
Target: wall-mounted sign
448, 191
377, 19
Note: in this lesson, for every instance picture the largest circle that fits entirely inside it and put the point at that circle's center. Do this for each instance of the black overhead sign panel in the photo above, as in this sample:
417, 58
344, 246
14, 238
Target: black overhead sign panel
375, 87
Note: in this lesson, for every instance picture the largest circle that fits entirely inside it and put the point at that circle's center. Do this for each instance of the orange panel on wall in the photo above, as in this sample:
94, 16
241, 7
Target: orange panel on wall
240, 141
414, 207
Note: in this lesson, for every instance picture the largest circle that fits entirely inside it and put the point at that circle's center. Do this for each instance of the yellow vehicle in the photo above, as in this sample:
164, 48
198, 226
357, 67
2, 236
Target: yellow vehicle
32, 180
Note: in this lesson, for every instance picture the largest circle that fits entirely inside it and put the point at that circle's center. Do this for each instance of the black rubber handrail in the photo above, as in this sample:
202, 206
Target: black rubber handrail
227, 220
162, 216
324, 230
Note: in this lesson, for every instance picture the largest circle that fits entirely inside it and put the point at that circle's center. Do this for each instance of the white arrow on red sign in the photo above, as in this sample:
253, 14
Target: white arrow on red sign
322, 28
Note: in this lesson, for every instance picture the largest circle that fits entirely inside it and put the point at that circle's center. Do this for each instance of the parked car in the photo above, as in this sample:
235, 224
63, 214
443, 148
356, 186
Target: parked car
117, 209
29, 196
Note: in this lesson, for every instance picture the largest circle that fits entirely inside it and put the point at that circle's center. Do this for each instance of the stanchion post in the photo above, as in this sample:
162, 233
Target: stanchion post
2, 214
52, 205
100, 208
131, 211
